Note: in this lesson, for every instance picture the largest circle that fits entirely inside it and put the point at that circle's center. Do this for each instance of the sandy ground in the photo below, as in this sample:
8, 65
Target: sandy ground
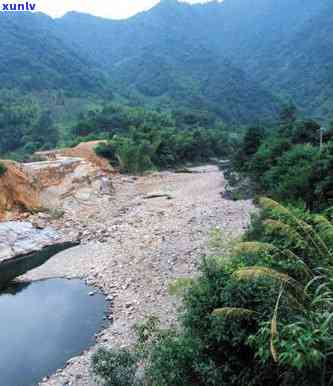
144, 244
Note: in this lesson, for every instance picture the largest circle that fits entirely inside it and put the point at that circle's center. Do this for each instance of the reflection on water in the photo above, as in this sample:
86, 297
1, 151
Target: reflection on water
42, 325
14, 288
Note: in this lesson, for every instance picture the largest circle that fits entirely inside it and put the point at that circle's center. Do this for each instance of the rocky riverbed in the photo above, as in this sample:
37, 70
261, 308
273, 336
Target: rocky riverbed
147, 232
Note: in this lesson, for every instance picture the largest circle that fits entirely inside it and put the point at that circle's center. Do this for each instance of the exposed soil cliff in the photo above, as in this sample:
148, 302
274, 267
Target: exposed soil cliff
17, 191
64, 173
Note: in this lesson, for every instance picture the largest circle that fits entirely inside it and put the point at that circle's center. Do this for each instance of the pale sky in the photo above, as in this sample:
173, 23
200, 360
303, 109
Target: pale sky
115, 9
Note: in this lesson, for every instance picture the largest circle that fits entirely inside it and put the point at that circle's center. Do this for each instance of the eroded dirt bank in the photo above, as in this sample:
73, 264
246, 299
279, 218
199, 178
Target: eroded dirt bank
135, 246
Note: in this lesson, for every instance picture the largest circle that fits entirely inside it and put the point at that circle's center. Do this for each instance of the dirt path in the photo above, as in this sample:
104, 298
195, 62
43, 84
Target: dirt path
146, 243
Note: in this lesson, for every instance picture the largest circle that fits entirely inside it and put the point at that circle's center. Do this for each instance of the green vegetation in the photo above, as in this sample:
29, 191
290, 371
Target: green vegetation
25, 127
288, 163
58, 68
221, 68
34, 59
142, 139
147, 148
224, 66
117, 368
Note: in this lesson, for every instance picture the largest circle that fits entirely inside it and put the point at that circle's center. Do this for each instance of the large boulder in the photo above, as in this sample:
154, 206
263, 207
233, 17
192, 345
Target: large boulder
19, 238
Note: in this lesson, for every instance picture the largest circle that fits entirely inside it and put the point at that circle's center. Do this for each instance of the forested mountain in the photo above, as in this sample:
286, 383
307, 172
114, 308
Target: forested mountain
163, 55
304, 67
237, 58
285, 45
282, 46
34, 58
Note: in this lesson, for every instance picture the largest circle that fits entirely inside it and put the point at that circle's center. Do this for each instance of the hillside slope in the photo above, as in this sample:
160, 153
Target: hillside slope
281, 45
34, 58
162, 56
233, 58
305, 65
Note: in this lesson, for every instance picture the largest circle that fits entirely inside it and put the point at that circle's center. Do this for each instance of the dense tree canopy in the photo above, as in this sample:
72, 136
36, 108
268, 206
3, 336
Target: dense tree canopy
288, 163
24, 125
142, 139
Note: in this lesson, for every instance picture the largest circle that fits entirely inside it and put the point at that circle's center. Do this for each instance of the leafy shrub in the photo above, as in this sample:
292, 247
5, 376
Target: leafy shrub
267, 155
116, 368
105, 150
291, 177
287, 163
251, 143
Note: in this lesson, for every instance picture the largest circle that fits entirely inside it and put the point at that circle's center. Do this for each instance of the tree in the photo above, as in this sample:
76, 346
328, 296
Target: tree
291, 177
252, 140
288, 113
322, 177
44, 134
307, 131
288, 117
268, 155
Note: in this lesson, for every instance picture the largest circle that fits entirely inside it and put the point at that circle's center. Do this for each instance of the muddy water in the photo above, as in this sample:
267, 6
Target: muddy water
42, 325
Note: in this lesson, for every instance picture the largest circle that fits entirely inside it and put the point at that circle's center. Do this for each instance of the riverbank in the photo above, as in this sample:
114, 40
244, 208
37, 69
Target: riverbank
135, 246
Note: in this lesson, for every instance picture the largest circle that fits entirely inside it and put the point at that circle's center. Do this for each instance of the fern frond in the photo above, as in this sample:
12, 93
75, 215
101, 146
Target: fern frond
261, 272
314, 239
288, 232
274, 330
255, 273
254, 247
234, 313
279, 212
276, 208
290, 255
325, 229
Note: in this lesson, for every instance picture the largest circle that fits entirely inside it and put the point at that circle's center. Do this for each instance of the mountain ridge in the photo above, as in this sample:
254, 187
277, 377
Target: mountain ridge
257, 52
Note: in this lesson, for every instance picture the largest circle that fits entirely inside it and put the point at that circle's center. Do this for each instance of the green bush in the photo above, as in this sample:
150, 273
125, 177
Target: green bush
291, 177
116, 368
287, 163
212, 350
105, 150
267, 156
253, 138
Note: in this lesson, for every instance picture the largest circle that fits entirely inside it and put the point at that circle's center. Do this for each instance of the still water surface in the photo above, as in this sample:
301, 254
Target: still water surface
42, 325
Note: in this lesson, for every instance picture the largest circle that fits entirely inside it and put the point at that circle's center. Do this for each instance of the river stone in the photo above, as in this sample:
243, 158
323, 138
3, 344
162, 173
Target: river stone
20, 238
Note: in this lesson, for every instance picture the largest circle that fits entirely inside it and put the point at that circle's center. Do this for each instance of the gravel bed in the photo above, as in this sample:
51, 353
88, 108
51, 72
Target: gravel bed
134, 247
